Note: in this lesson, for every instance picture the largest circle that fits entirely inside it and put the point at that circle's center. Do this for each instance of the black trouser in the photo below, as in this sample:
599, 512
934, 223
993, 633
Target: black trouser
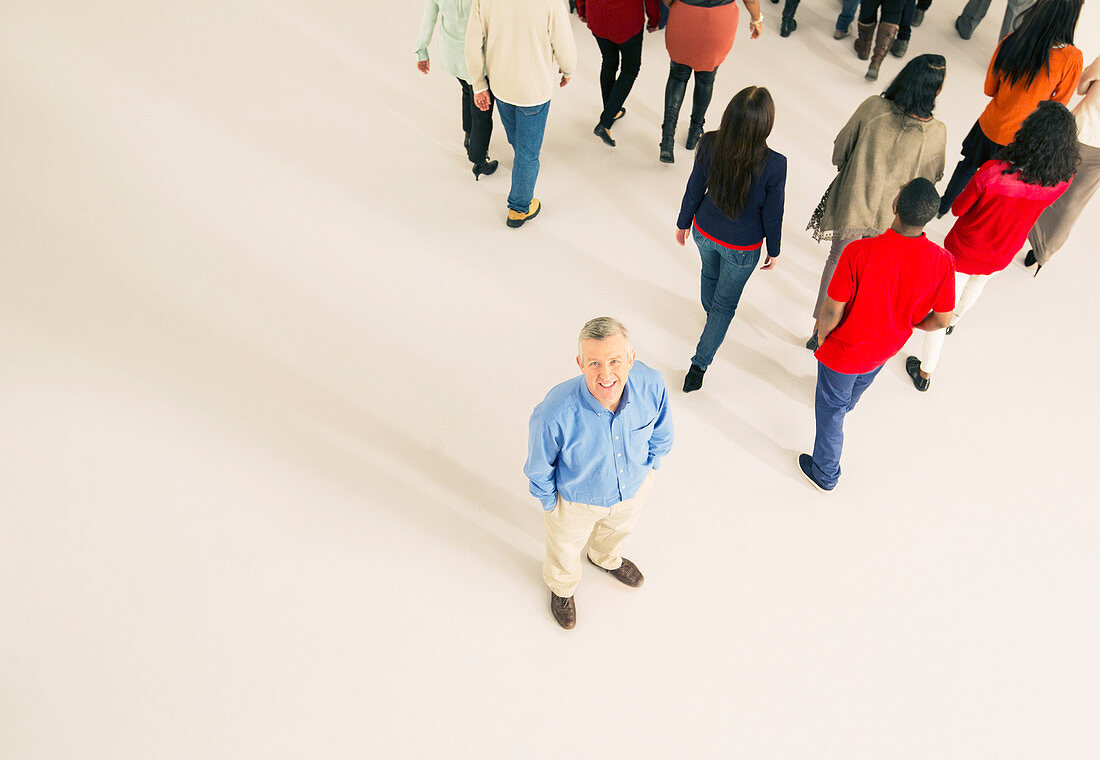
905, 28
477, 124
678, 76
891, 11
976, 150
615, 83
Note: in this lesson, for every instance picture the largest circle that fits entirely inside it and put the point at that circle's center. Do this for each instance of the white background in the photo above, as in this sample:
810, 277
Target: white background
267, 355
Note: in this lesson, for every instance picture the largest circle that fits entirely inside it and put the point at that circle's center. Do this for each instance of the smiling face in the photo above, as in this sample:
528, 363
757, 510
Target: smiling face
606, 364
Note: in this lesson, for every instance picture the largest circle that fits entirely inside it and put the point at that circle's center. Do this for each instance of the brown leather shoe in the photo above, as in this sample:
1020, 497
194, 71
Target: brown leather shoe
564, 610
627, 573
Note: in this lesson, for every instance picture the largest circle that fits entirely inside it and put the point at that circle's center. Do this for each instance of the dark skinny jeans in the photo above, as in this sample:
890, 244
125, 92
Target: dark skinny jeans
616, 82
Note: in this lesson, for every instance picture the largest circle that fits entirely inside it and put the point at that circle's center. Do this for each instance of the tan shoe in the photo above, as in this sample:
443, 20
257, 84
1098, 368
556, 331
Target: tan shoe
564, 610
627, 573
517, 218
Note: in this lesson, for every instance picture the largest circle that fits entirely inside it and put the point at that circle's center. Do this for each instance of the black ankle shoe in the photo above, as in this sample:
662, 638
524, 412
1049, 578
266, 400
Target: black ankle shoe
788, 26
486, 168
666, 151
912, 366
694, 133
601, 132
694, 379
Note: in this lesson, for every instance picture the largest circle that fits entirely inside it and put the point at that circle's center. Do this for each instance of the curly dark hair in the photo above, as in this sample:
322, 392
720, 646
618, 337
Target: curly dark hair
1044, 150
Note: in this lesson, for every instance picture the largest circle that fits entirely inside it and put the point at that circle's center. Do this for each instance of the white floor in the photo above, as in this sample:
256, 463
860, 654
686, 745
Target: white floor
268, 354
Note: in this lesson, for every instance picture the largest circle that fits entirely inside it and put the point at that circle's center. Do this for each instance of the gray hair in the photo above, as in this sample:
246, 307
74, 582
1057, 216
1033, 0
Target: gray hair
602, 328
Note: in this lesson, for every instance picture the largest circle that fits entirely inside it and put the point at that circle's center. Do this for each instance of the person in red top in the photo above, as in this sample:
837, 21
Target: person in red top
617, 27
997, 210
883, 287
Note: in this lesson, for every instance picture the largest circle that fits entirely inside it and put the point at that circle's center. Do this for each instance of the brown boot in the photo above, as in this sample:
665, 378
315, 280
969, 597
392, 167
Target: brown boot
863, 40
883, 39
564, 610
627, 573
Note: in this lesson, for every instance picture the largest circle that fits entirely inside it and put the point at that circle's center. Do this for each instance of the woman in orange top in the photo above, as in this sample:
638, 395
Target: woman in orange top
1036, 62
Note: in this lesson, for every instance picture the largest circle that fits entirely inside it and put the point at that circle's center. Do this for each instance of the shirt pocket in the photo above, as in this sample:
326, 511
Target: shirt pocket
638, 440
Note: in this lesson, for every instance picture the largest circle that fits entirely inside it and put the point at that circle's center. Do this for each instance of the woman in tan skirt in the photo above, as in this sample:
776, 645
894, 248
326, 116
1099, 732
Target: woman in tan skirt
1053, 227
698, 37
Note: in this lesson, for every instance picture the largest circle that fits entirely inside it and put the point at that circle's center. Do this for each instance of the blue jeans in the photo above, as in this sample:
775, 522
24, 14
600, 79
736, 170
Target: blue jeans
847, 14
524, 126
725, 272
836, 395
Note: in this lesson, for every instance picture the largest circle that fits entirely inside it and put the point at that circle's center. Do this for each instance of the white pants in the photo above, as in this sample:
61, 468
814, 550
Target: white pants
967, 289
570, 525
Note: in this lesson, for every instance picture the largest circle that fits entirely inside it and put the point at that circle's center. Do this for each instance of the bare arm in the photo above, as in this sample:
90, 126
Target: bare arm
831, 314
936, 320
756, 20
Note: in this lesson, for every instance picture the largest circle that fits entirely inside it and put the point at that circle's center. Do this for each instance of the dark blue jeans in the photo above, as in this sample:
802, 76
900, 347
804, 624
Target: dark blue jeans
837, 394
848, 10
524, 126
725, 272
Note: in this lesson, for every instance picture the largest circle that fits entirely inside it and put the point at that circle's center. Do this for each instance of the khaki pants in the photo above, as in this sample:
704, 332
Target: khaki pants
569, 526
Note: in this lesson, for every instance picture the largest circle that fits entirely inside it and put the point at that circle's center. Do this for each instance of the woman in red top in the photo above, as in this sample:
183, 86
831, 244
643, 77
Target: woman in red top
1036, 62
997, 210
617, 27
699, 36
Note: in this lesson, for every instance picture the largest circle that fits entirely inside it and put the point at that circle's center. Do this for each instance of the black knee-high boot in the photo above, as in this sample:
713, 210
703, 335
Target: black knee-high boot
674, 98
704, 89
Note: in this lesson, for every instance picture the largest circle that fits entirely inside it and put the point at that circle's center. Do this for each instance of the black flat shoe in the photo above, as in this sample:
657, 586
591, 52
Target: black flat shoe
694, 379
620, 114
912, 366
486, 168
604, 135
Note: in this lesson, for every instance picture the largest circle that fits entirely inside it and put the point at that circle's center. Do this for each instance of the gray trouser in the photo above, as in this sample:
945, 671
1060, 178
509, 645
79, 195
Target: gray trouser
841, 238
974, 11
1053, 227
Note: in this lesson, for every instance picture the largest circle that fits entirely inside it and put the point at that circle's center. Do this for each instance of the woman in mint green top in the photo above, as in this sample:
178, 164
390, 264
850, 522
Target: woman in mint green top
453, 16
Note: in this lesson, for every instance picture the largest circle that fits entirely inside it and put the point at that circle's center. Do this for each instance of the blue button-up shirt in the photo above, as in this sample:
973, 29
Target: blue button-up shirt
580, 450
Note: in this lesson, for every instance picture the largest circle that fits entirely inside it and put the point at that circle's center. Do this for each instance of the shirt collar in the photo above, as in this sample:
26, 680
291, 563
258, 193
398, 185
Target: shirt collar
591, 402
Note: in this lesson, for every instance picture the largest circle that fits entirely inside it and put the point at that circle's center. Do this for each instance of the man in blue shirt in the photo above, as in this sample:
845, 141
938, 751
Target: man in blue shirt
594, 443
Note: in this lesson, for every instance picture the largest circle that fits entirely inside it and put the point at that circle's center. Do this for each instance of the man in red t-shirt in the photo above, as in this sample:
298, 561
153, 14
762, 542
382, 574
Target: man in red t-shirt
883, 287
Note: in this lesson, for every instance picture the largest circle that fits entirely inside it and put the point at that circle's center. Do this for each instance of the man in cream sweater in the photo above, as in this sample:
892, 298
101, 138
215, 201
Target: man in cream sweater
522, 47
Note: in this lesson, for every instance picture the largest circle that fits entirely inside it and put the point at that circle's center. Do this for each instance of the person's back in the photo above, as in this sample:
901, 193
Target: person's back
1012, 102
877, 152
525, 44
890, 283
996, 211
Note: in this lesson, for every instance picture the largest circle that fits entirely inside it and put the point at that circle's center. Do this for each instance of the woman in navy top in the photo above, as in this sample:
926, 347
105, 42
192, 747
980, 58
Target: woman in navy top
733, 202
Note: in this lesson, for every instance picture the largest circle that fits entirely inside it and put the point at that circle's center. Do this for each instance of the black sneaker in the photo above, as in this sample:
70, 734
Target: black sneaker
694, 379
806, 465
912, 366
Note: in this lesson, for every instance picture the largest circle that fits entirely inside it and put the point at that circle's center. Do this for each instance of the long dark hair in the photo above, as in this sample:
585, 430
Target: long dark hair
739, 149
914, 90
1044, 150
1026, 51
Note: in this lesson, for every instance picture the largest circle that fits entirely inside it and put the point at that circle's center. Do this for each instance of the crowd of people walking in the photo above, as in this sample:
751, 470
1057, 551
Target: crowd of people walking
1029, 168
